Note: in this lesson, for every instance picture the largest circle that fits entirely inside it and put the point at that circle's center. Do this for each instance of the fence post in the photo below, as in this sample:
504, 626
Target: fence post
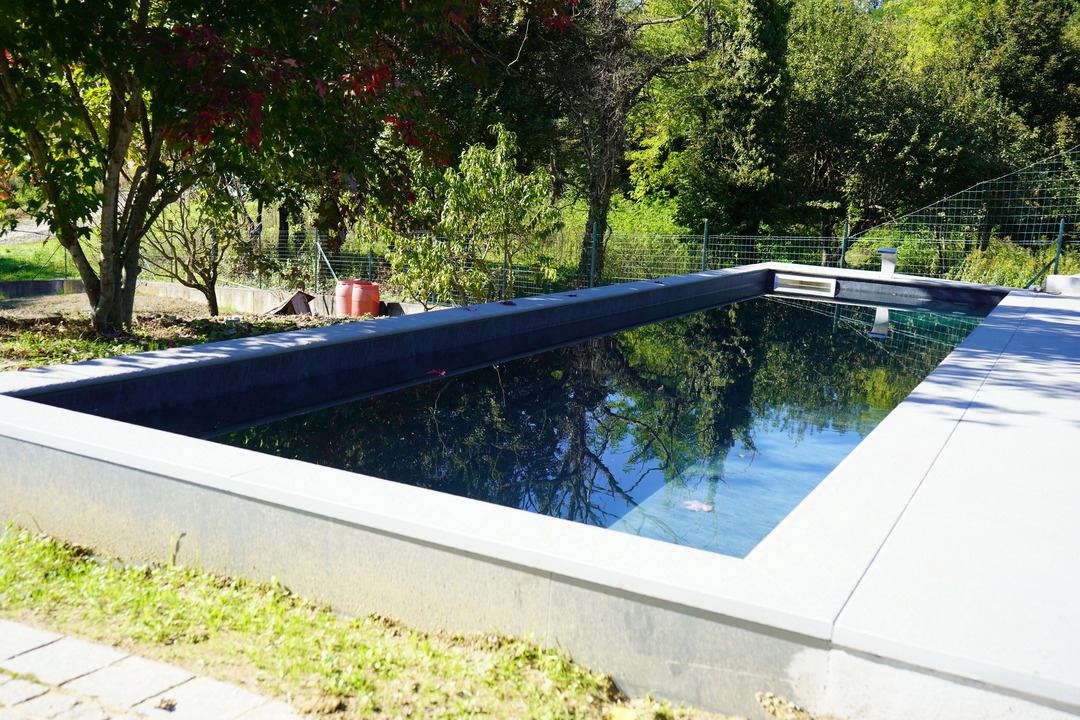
315, 241
258, 241
1061, 236
843, 245
592, 265
371, 263
705, 248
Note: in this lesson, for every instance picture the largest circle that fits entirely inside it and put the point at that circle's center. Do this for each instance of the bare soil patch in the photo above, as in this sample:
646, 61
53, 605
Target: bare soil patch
76, 305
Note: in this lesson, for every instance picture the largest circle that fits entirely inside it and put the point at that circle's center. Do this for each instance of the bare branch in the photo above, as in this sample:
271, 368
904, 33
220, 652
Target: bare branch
522, 46
662, 21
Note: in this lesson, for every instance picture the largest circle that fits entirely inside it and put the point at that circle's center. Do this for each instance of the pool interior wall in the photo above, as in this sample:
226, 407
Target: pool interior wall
684, 624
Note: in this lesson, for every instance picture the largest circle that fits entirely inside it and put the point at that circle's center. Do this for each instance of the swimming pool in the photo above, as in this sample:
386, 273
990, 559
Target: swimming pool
93, 458
704, 430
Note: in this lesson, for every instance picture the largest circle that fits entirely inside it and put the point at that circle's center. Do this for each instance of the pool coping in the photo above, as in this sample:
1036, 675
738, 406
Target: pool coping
820, 618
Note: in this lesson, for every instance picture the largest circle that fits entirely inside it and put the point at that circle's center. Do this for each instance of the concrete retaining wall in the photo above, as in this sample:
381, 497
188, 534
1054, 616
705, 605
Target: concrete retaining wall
24, 288
258, 301
236, 299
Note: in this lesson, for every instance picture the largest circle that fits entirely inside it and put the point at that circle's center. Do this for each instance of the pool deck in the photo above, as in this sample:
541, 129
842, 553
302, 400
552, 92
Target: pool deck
979, 577
934, 574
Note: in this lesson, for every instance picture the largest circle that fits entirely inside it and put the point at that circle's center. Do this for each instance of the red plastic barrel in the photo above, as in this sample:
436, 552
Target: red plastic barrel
343, 297
364, 298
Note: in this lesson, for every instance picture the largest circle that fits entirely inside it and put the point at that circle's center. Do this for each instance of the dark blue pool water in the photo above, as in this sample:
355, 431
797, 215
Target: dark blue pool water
704, 430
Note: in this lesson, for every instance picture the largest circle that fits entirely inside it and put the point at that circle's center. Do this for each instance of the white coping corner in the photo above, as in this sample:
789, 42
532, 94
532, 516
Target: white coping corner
1063, 285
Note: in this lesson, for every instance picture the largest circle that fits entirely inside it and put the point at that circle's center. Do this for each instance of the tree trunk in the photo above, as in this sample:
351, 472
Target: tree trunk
210, 293
283, 233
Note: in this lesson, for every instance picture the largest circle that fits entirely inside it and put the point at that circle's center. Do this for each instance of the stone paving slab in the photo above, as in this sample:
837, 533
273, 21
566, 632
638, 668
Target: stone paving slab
130, 681
980, 574
63, 660
15, 639
202, 698
51, 677
18, 691
49, 705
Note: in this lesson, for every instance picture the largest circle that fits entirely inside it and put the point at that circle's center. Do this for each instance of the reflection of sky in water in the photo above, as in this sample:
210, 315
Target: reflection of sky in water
749, 493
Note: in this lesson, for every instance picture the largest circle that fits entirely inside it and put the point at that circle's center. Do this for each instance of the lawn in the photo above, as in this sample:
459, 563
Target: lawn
35, 261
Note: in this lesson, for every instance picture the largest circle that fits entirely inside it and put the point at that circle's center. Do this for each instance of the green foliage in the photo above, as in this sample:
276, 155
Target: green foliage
733, 165
1008, 264
485, 215
430, 270
1015, 56
493, 205
647, 215
304, 99
867, 137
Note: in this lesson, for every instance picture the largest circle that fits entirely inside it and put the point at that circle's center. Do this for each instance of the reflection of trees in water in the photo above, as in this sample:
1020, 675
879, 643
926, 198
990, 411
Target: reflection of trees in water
544, 433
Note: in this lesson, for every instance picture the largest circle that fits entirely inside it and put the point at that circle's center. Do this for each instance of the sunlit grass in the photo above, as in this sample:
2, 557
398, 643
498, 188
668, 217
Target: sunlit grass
35, 261
289, 647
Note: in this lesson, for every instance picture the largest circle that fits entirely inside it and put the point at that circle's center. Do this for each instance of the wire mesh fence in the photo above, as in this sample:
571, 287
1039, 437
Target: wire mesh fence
1010, 231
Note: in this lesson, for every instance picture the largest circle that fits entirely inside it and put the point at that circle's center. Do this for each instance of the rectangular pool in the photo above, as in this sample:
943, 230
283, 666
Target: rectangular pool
704, 430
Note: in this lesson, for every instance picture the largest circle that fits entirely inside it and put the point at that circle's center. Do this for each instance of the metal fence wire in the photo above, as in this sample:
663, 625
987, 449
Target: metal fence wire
1011, 231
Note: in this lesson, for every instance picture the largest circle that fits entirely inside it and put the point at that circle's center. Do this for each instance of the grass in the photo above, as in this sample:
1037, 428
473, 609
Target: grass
34, 261
284, 646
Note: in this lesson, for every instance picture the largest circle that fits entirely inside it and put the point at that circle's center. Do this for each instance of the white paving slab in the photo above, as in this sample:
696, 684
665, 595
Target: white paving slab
63, 660
130, 681
86, 712
18, 691
15, 639
49, 705
981, 575
202, 698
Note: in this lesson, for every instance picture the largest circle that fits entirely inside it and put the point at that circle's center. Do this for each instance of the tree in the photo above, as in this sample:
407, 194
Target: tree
112, 109
193, 240
867, 137
734, 164
94, 97
596, 64
1014, 56
494, 205
464, 216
